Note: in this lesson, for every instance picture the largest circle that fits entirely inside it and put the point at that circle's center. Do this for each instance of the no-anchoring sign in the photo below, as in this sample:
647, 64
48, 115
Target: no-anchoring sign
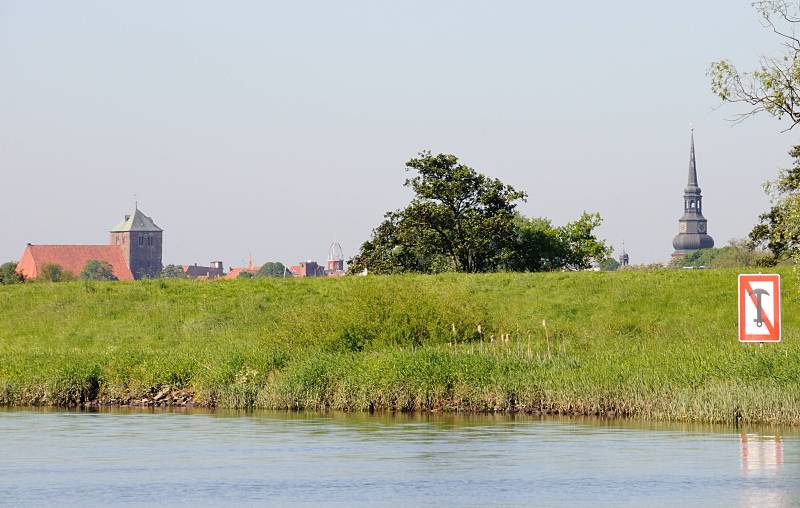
759, 308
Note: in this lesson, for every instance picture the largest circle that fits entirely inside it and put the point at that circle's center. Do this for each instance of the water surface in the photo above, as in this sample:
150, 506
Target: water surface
297, 459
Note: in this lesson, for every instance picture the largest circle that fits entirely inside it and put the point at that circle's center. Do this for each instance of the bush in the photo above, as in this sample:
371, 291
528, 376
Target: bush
97, 270
734, 255
173, 272
273, 269
9, 275
609, 264
52, 272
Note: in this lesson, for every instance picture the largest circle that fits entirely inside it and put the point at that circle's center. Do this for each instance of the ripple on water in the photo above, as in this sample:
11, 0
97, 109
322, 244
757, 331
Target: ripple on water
280, 458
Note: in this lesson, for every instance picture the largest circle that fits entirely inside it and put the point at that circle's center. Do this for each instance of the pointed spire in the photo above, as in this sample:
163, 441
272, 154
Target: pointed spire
692, 166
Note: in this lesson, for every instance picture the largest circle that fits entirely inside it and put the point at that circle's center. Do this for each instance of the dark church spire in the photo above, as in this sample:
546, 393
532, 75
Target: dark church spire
692, 226
692, 185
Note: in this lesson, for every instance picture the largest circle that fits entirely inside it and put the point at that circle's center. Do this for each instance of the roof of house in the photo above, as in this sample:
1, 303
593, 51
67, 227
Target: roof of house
72, 258
136, 222
235, 271
202, 271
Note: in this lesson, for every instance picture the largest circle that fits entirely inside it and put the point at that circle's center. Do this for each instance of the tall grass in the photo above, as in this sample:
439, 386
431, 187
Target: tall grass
655, 345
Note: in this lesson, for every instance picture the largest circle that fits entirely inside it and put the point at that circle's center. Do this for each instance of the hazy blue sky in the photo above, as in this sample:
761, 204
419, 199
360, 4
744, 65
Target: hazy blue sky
274, 128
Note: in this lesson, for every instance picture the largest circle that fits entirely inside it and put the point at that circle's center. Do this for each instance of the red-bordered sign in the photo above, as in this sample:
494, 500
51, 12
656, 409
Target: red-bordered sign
759, 308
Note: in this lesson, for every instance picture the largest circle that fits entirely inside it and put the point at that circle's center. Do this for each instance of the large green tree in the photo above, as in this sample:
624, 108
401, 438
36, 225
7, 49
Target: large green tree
772, 88
461, 220
458, 219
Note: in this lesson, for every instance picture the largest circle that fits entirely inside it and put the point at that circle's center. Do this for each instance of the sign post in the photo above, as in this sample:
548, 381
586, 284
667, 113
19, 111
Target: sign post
759, 308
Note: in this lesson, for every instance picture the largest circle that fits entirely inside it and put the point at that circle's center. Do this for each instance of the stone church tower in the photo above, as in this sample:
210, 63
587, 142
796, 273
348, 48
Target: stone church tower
692, 226
140, 240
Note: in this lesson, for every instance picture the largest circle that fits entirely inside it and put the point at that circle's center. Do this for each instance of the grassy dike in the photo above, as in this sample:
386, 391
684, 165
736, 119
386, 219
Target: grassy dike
651, 345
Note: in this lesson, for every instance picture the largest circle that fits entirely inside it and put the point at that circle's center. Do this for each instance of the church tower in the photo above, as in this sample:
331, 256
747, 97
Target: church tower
692, 226
140, 240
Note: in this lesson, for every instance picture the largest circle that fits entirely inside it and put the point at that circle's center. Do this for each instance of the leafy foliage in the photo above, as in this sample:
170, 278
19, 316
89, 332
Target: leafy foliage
273, 269
773, 88
778, 229
737, 254
173, 272
244, 275
609, 264
9, 275
97, 270
52, 272
540, 246
460, 220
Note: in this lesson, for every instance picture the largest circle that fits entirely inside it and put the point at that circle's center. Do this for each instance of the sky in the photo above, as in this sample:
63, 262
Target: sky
272, 129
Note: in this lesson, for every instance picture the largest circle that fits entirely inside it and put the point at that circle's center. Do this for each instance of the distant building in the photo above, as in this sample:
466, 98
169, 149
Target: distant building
624, 259
236, 270
215, 270
307, 269
141, 243
134, 251
335, 260
334, 266
692, 226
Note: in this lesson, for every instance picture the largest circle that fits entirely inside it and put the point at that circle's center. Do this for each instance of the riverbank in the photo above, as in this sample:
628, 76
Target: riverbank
649, 345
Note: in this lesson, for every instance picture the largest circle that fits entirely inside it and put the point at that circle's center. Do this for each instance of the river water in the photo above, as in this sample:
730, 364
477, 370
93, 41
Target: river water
298, 459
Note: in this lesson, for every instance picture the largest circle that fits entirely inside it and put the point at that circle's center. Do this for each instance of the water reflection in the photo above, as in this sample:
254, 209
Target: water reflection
762, 459
761, 454
292, 458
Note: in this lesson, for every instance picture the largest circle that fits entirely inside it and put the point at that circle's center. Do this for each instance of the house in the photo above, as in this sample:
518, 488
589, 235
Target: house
215, 270
307, 269
236, 270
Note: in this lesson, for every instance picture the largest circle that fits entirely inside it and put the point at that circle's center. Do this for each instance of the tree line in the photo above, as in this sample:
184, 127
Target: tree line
95, 270
51, 272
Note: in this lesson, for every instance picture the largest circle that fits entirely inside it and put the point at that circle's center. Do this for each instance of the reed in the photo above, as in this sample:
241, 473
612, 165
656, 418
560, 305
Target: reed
658, 345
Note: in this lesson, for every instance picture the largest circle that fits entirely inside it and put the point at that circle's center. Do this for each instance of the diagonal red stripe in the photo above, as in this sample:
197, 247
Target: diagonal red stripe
749, 291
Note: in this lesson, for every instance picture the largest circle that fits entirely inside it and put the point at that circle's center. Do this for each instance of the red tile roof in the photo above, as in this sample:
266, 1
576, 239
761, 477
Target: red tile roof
72, 258
235, 271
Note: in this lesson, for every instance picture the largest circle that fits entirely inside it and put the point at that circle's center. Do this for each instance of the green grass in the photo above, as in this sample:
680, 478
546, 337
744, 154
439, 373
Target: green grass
655, 345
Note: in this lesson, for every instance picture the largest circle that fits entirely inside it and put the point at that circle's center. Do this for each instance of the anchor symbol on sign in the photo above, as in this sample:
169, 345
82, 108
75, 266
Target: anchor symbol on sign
759, 320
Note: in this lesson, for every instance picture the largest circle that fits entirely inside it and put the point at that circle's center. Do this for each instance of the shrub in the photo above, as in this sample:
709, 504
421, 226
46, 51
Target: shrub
52, 272
173, 272
9, 275
97, 270
273, 269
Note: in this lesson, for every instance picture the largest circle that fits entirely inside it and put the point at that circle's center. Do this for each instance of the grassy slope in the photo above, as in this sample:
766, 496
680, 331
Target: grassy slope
654, 345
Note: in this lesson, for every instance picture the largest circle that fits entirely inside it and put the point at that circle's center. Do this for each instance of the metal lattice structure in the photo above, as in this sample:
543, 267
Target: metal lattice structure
335, 252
